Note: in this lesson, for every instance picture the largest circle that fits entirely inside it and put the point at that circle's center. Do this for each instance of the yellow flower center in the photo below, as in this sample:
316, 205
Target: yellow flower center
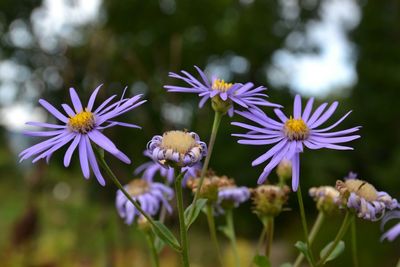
296, 129
362, 189
178, 141
221, 85
82, 122
137, 187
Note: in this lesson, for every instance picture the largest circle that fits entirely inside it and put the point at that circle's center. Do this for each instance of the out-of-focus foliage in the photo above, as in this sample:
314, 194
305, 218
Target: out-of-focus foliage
50, 216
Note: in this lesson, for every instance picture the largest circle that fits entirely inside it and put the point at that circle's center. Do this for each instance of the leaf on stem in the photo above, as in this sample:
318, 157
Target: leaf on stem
261, 261
303, 248
158, 244
166, 235
335, 253
189, 218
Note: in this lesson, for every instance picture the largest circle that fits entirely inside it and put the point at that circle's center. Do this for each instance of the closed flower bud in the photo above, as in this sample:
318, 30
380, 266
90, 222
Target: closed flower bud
327, 199
284, 170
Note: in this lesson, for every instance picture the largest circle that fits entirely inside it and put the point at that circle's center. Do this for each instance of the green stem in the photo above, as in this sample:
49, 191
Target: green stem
182, 227
213, 232
343, 228
115, 180
152, 248
232, 237
270, 235
217, 120
314, 231
304, 223
354, 242
261, 239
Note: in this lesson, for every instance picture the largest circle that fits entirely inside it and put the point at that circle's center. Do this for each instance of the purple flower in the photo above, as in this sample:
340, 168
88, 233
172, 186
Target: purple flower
365, 200
82, 126
393, 232
231, 197
151, 168
177, 149
244, 95
150, 195
290, 135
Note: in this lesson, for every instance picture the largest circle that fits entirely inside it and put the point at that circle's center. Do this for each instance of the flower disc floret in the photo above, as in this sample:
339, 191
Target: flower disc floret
221, 85
177, 149
82, 122
296, 129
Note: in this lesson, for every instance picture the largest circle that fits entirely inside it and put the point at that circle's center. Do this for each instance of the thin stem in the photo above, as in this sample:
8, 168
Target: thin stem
115, 180
182, 227
314, 231
343, 228
304, 223
232, 237
259, 244
213, 232
152, 248
214, 131
354, 242
270, 236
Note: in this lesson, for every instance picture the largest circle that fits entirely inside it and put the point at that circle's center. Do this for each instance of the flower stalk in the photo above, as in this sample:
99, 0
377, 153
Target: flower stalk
270, 235
153, 251
232, 236
213, 232
354, 242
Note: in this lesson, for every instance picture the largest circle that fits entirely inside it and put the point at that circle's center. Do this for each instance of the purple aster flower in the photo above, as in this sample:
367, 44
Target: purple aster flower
327, 198
177, 149
231, 197
365, 200
393, 232
151, 196
82, 126
244, 95
151, 168
290, 135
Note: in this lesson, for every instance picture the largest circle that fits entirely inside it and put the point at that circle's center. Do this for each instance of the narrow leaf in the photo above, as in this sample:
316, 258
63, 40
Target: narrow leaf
302, 247
166, 235
335, 253
188, 212
261, 261
158, 244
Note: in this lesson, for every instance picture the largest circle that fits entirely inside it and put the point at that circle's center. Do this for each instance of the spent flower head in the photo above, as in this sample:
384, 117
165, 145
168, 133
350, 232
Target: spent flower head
177, 149
289, 135
150, 169
210, 187
327, 198
151, 196
222, 94
362, 197
81, 126
268, 200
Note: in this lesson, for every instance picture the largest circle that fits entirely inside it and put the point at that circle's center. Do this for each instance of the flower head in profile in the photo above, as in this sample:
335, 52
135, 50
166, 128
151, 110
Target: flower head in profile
268, 200
291, 134
393, 232
221, 93
150, 169
230, 197
151, 196
81, 126
327, 198
177, 149
362, 197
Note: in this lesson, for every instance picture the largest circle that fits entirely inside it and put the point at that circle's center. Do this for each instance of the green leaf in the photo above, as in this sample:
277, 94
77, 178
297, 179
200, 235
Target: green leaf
286, 264
166, 235
335, 253
261, 261
302, 247
200, 203
158, 244
226, 231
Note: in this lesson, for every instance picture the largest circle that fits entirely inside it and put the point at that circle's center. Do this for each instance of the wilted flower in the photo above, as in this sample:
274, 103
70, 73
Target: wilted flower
210, 187
268, 200
81, 126
177, 149
364, 199
221, 93
151, 168
393, 232
151, 196
328, 199
290, 135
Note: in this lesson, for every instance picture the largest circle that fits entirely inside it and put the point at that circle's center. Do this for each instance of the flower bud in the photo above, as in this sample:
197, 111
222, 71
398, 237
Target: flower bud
327, 199
284, 170
268, 200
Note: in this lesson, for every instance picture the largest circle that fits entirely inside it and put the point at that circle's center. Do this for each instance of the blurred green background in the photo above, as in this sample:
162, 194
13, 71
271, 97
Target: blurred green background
342, 50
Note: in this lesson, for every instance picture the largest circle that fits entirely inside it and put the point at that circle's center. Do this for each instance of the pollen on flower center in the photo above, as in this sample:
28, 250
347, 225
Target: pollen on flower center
137, 187
178, 141
362, 189
221, 85
82, 122
296, 129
